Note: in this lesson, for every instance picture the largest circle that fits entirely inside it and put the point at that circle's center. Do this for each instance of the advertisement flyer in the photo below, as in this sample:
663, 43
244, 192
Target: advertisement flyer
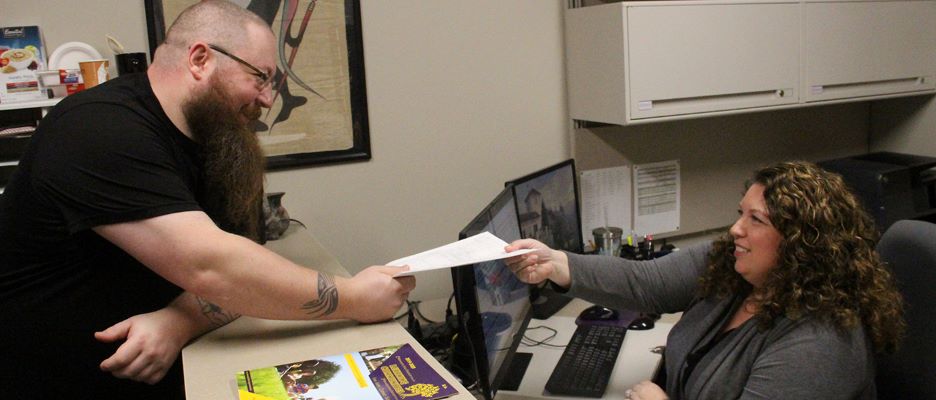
387, 373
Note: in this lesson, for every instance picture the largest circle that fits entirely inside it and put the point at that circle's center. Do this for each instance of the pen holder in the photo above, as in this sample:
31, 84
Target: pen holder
608, 240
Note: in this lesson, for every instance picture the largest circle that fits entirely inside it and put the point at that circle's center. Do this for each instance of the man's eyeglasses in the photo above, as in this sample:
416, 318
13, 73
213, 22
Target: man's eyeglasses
263, 79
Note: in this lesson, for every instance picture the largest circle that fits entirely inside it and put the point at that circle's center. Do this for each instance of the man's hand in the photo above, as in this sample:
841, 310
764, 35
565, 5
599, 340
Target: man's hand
376, 295
152, 345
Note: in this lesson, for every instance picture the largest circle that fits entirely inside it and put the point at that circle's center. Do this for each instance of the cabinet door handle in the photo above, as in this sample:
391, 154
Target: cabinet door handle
715, 99
907, 84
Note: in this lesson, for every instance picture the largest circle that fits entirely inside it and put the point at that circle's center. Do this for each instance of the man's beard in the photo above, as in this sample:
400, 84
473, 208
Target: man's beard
234, 162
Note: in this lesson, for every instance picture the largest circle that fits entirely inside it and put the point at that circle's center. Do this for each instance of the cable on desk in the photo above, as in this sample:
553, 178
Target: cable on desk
544, 342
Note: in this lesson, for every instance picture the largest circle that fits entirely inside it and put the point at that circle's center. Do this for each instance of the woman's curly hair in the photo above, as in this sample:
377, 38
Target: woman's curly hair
827, 266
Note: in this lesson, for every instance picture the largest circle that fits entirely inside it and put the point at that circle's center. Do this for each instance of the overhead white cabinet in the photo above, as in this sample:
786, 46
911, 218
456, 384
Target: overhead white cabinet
860, 49
701, 58
644, 61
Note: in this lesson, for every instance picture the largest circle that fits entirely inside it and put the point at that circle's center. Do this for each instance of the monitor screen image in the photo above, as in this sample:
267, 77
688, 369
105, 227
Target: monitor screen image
547, 205
493, 304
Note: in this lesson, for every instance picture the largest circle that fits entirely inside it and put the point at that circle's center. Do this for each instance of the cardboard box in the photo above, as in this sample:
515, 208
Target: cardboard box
21, 56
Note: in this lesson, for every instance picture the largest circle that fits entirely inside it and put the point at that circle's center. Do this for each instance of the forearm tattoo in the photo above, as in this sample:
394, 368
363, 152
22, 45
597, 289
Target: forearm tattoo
327, 301
217, 315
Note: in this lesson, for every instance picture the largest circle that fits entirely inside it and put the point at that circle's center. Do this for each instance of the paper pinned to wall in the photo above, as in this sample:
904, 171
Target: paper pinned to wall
606, 200
656, 197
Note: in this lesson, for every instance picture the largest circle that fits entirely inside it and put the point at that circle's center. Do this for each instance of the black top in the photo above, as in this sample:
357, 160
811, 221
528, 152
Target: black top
102, 156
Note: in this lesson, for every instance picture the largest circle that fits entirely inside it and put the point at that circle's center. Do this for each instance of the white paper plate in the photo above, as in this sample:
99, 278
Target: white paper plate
68, 55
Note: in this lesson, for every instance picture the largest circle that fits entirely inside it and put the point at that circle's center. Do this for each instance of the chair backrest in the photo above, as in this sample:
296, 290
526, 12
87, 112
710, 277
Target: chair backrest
909, 247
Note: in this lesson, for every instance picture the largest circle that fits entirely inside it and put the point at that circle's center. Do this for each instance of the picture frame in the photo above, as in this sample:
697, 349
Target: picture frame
319, 114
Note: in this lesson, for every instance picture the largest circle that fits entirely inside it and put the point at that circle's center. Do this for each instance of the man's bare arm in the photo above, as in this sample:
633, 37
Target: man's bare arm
217, 316
242, 277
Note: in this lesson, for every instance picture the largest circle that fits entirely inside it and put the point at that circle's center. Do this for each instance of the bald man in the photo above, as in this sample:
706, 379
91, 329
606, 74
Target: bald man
125, 231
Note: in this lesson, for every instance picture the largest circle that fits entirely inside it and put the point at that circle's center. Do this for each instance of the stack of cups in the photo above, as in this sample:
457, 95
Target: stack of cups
94, 72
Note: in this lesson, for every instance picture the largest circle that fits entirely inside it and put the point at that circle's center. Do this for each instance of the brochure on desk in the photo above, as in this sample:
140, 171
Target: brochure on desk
387, 373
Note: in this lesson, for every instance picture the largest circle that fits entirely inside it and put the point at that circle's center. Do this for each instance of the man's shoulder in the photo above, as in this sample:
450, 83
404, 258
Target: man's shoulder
127, 92
126, 104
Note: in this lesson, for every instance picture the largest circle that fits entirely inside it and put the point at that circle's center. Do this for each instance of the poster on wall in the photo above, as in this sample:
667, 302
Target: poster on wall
21, 56
319, 112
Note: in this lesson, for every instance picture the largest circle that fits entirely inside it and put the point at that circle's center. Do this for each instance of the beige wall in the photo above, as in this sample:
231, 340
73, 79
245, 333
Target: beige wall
905, 125
462, 97
718, 154
62, 21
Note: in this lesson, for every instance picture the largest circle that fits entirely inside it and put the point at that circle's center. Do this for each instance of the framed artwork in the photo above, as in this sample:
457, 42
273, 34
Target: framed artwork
319, 112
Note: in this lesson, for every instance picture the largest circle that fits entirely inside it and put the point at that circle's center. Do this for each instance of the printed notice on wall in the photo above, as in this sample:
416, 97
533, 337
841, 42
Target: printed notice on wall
656, 197
606, 201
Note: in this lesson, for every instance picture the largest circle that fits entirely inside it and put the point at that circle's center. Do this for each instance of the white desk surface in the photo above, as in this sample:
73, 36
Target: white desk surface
635, 362
211, 362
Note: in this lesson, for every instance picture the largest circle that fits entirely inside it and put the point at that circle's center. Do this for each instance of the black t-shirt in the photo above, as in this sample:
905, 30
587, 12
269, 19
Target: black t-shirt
102, 156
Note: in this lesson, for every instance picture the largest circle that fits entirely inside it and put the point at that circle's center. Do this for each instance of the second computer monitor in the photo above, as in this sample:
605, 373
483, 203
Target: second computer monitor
547, 205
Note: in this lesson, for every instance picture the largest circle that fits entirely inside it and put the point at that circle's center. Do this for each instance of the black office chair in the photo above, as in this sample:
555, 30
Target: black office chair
910, 249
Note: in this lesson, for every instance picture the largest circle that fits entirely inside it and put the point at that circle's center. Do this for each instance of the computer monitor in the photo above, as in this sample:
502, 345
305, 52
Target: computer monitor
547, 205
492, 304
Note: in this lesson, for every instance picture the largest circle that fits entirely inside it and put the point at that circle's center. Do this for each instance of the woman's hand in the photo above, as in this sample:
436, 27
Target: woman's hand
645, 390
537, 266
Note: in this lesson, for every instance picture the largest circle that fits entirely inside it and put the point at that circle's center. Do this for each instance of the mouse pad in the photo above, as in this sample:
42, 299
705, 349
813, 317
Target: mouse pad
625, 317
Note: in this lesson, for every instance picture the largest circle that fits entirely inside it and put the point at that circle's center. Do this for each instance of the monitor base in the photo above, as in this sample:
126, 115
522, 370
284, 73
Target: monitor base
518, 367
547, 302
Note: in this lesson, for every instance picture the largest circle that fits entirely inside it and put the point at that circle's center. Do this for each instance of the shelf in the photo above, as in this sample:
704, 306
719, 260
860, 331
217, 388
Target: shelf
29, 104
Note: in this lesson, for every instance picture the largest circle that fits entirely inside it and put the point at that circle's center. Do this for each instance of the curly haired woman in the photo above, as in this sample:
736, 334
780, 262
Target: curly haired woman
792, 303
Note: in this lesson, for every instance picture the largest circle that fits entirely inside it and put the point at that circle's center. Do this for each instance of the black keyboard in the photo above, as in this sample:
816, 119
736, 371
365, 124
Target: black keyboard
587, 362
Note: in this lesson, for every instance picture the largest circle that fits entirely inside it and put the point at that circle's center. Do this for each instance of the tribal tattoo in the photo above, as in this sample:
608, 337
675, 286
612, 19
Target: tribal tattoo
327, 301
214, 313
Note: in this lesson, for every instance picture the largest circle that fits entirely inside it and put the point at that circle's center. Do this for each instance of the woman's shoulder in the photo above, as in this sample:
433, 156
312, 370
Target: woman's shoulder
812, 334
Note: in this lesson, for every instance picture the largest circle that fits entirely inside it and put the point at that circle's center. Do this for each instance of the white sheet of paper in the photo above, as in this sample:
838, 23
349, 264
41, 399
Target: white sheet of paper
481, 247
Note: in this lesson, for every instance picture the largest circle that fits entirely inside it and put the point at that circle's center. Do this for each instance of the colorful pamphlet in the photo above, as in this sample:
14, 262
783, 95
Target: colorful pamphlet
386, 373
21, 56
405, 375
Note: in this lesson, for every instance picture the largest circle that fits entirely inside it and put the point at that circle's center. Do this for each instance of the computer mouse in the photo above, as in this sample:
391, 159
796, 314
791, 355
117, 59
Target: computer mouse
598, 313
641, 324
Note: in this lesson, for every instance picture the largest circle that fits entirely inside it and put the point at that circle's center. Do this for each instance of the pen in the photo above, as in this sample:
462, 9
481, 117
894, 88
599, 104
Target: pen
649, 240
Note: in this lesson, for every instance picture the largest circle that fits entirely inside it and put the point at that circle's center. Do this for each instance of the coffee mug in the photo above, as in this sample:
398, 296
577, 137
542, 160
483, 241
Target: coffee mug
128, 63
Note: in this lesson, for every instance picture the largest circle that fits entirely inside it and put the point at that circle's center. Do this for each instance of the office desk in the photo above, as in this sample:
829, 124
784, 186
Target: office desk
211, 362
635, 361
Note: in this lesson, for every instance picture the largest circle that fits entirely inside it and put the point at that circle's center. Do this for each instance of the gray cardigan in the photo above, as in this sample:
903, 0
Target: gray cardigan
802, 359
